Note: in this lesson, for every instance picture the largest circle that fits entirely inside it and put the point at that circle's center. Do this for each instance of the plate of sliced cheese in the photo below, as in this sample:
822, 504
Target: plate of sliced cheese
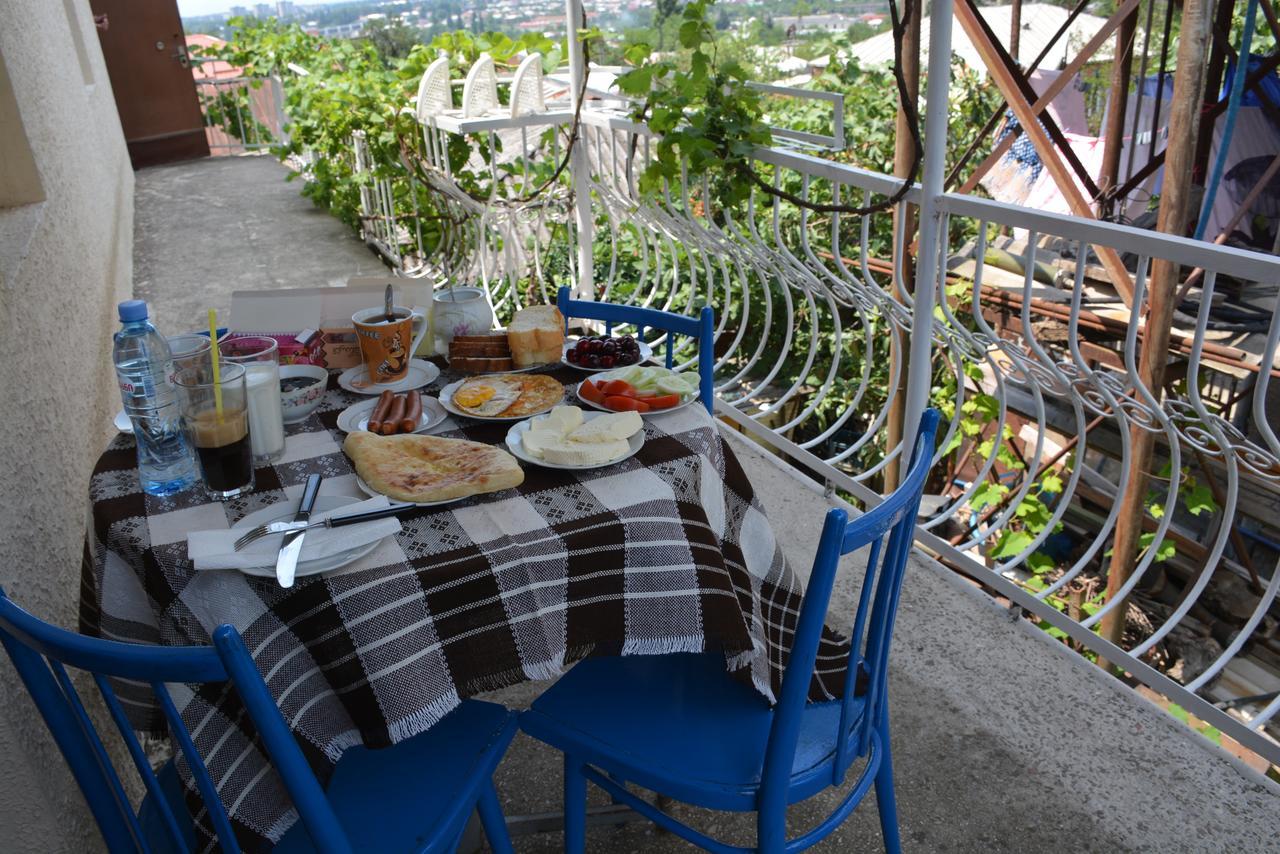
567, 438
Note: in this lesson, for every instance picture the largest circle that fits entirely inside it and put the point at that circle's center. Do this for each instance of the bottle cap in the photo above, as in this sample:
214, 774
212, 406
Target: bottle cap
132, 309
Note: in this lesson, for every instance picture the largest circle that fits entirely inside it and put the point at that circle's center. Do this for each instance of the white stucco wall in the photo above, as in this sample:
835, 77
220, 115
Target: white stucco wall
64, 263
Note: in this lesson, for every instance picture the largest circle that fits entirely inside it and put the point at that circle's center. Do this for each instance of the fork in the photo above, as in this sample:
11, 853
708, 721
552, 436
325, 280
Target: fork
257, 533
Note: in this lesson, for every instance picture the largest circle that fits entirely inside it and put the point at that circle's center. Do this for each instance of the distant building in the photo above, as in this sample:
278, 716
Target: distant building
285, 9
815, 23
263, 10
240, 11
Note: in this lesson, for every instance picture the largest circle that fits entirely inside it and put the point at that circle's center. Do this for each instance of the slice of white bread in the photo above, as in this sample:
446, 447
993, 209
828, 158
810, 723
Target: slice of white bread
610, 427
536, 336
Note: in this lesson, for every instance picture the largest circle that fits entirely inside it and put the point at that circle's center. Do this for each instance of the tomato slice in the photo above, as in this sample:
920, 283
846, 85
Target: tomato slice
619, 387
590, 391
663, 401
621, 403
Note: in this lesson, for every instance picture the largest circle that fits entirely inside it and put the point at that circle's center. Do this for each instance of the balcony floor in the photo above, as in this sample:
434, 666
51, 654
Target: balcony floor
1003, 739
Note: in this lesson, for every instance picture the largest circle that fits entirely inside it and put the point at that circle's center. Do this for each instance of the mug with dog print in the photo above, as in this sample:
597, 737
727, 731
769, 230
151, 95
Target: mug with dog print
388, 345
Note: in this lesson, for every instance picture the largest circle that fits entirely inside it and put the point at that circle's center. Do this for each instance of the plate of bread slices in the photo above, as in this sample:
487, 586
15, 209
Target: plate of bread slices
568, 438
534, 338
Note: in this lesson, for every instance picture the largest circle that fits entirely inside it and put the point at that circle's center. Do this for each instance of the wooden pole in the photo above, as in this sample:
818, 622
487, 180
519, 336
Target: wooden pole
1217, 60
1175, 205
1015, 28
1121, 67
904, 230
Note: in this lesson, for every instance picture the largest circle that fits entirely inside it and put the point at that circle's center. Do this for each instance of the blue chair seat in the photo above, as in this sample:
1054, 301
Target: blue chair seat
399, 799
664, 722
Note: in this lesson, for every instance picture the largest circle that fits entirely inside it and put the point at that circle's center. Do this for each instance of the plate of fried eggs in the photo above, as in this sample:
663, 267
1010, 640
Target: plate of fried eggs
501, 397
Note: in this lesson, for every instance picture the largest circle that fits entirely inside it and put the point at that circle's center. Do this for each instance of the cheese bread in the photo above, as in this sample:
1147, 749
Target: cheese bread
430, 468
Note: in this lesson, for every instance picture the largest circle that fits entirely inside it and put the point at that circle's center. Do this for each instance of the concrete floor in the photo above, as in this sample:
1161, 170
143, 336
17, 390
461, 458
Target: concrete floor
1003, 740
206, 228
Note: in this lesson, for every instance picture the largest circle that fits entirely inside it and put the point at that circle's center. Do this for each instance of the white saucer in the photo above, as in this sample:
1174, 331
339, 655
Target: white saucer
515, 445
268, 547
356, 416
122, 422
356, 380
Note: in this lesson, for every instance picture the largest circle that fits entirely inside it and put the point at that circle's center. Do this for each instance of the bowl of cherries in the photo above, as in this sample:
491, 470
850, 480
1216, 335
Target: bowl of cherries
603, 353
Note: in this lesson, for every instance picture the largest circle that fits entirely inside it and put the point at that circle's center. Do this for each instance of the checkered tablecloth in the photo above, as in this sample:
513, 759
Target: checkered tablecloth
669, 551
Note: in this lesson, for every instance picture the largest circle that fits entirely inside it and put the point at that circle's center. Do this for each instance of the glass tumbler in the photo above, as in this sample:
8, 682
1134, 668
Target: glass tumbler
261, 360
216, 418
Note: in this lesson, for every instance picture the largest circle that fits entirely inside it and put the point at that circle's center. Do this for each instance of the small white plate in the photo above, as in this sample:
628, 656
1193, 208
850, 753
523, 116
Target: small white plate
646, 353
369, 490
356, 380
356, 416
692, 398
515, 444
269, 546
122, 422
446, 400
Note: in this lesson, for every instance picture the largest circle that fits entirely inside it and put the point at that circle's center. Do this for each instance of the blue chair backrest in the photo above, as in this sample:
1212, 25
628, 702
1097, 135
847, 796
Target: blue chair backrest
41, 654
889, 530
701, 327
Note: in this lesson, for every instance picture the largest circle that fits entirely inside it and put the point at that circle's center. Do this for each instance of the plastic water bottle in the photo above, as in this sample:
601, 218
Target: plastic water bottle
143, 366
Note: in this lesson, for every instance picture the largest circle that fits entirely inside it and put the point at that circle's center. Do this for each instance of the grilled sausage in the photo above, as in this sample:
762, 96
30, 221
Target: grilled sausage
380, 411
392, 423
412, 412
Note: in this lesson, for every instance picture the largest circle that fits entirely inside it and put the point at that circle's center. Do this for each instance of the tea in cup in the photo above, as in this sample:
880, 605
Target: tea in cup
387, 345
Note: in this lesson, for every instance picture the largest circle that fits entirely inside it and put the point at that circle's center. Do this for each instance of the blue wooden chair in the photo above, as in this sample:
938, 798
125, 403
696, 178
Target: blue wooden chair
679, 725
701, 327
415, 796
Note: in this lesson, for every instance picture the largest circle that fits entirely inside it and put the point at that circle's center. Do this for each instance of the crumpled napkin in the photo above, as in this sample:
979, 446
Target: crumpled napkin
216, 549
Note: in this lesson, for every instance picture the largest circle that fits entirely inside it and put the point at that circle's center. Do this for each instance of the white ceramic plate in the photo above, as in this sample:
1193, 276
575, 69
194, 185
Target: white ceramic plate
515, 445
369, 490
122, 422
646, 353
446, 400
356, 416
269, 546
356, 380
691, 398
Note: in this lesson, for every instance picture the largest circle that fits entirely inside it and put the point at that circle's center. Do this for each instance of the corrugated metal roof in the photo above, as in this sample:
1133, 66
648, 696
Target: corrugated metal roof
1039, 23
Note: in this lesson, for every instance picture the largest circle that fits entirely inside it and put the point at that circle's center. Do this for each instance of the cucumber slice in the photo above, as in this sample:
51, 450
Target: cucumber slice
675, 384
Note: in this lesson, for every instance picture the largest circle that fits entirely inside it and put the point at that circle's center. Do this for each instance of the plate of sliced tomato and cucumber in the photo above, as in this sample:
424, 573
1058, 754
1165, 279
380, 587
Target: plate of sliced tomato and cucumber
645, 389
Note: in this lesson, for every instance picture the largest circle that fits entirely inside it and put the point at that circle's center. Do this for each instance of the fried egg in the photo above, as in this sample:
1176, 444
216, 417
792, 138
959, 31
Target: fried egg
487, 396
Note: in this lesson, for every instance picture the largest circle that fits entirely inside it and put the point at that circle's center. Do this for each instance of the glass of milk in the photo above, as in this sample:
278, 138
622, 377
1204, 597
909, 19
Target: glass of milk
261, 360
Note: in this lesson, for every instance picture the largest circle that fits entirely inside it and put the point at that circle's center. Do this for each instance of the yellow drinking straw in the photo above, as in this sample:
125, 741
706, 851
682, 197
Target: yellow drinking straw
217, 376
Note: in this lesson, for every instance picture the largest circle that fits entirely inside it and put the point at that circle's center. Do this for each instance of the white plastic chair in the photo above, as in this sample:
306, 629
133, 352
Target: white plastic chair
434, 92
480, 90
526, 88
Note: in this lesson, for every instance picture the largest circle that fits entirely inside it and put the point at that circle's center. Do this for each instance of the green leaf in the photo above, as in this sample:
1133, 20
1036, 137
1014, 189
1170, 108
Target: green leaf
1010, 544
1199, 499
1040, 563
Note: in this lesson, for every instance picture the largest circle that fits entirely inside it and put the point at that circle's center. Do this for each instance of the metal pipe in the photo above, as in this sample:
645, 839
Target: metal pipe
920, 367
579, 167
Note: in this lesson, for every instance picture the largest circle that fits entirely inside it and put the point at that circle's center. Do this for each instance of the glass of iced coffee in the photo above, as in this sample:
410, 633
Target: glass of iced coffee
215, 415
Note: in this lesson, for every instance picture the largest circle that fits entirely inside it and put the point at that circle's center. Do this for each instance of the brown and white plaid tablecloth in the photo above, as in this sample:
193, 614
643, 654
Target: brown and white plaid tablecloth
668, 551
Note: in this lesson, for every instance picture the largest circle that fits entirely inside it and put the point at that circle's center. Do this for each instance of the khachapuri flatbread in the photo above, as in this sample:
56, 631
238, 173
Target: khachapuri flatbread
508, 395
419, 469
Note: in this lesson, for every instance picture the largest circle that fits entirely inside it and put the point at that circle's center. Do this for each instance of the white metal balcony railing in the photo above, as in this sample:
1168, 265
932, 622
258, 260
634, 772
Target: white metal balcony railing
1037, 448
242, 114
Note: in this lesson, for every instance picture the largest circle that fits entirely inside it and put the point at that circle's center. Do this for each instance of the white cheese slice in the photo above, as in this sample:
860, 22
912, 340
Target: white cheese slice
610, 427
560, 420
568, 453
537, 441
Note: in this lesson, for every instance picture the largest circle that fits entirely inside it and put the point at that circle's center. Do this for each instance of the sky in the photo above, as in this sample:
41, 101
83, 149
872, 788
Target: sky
195, 8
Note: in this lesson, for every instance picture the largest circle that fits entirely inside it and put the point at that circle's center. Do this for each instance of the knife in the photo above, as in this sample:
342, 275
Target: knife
339, 521
287, 559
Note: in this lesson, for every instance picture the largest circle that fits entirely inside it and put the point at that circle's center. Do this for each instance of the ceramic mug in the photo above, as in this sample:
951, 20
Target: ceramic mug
387, 346
459, 311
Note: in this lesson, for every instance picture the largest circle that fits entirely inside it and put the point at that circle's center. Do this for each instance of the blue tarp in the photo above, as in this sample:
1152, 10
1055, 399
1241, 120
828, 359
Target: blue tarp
1269, 84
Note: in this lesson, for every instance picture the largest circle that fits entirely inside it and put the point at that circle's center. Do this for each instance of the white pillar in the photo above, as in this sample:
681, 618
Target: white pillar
932, 235
584, 288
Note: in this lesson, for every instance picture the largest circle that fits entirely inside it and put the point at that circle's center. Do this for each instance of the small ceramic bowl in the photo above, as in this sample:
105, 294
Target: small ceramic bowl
301, 402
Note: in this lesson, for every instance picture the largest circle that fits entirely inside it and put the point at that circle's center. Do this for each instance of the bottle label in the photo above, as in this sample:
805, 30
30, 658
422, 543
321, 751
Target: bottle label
170, 373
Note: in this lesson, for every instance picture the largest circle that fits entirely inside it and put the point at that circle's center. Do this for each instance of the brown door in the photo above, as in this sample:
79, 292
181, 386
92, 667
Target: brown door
146, 57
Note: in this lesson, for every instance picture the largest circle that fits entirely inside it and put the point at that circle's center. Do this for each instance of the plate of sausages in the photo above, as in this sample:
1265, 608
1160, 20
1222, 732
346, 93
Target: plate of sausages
391, 413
